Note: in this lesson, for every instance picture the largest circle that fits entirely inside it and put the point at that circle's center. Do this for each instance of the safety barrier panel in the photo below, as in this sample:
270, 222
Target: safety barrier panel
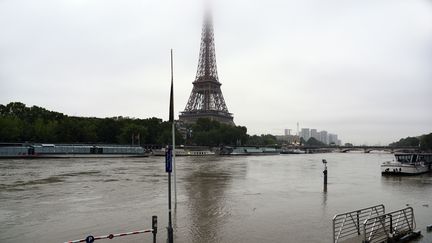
390, 226
348, 225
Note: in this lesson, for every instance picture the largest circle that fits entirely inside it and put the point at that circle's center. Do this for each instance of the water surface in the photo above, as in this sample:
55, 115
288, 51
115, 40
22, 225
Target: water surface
220, 199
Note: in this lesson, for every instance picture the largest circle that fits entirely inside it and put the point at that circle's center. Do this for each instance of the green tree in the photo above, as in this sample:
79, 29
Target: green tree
41, 131
255, 140
314, 142
269, 139
131, 131
212, 133
10, 129
36, 124
155, 126
426, 142
108, 130
409, 141
302, 141
17, 109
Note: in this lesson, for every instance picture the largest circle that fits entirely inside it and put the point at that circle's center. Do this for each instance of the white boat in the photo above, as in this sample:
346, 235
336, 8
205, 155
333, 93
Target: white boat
184, 152
407, 164
292, 151
248, 150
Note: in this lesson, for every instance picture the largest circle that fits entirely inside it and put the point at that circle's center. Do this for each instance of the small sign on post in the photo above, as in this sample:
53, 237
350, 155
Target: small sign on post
168, 169
168, 159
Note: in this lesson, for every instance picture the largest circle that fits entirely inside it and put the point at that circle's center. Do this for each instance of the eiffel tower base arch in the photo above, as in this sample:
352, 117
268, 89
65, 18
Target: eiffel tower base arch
192, 117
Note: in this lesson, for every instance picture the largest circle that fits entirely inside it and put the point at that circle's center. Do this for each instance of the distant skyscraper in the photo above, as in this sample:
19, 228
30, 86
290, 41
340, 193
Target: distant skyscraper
333, 138
323, 137
305, 133
314, 133
287, 132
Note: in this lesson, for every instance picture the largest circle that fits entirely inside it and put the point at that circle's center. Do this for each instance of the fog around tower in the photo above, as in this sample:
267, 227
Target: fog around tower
360, 69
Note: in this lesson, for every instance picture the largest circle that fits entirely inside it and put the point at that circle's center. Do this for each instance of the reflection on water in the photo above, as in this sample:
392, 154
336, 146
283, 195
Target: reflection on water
324, 195
423, 180
205, 189
220, 199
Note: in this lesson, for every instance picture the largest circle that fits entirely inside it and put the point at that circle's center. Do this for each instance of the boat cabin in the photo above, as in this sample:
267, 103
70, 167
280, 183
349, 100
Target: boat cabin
413, 158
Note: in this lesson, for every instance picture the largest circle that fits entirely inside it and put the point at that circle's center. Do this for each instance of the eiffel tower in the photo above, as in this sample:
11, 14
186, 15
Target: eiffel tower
206, 99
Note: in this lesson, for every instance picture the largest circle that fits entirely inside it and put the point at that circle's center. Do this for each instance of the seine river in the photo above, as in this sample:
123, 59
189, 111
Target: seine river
276, 198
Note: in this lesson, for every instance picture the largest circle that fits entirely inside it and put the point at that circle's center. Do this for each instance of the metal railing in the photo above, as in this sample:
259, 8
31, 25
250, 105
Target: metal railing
348, 225
392, 225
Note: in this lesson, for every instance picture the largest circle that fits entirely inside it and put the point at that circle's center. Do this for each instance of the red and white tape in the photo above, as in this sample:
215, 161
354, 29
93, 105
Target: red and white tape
111, 236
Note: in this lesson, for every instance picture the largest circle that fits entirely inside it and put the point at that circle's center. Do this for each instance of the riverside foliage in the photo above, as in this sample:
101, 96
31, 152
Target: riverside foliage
212, 133
423, 141
19, 123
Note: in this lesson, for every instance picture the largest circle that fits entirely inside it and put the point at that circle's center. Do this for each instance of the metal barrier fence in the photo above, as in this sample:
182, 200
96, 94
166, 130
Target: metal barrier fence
91, 239
392, 226
348, 225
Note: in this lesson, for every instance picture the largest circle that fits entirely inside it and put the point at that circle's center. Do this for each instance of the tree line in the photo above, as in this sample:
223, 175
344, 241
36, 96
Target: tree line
212, 133
423, 141
19, 123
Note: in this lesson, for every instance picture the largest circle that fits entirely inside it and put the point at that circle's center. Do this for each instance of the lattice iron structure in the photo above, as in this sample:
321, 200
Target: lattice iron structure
206, 99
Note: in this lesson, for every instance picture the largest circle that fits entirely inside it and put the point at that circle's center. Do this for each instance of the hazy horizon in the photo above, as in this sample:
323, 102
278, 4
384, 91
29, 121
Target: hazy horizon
357, 69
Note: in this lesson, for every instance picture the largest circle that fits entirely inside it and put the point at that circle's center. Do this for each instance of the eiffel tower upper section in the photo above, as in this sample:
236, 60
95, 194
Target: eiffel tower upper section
206, 99
207, 68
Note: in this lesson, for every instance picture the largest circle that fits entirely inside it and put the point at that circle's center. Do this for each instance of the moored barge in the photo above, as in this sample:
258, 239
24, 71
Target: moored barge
70, 151
408, 164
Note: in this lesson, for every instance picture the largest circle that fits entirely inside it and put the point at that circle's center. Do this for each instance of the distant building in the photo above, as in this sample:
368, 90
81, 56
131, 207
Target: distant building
323, 137
287, 132
333, 138
305, 133
314, 134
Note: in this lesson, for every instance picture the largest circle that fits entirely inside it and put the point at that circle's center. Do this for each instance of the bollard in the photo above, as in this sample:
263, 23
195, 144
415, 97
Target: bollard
325, 177
325, 171
154, 227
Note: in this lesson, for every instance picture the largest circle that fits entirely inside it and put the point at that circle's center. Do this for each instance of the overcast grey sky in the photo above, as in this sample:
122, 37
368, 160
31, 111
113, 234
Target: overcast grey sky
360, 69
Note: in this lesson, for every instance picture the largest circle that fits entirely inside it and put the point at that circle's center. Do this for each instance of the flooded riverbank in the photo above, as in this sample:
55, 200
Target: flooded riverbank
220, 199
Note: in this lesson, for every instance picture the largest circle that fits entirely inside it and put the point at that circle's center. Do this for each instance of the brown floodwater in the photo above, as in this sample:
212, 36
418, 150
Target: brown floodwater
276, 198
